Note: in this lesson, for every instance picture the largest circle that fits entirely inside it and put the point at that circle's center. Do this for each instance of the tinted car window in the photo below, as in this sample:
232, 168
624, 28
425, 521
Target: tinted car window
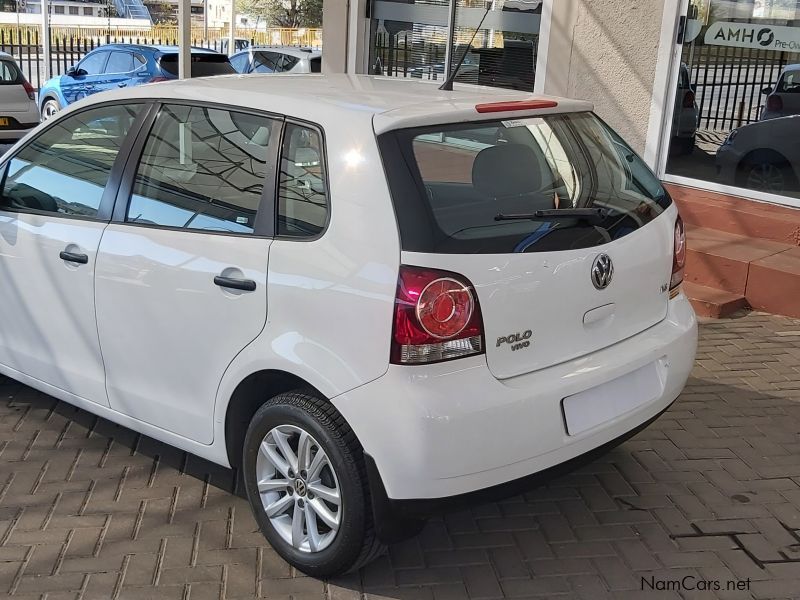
289, 62
93, 64
203, 65
120, 62
266, 62
790, 82
65, 169
302, 188
316, 65
240, 62
9, 73
476, 187
202, 168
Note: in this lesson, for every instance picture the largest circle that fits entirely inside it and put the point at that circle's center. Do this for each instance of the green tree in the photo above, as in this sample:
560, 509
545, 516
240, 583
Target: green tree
284, 13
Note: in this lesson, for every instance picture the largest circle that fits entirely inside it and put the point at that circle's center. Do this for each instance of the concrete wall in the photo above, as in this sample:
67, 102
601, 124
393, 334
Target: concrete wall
334, 35
605, 51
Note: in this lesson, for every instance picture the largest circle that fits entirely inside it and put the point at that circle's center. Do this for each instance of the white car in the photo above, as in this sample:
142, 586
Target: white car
277, 59
374, 298
18, 110
783, 100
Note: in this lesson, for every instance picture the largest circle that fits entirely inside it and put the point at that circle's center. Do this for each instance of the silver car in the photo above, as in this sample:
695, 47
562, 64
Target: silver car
783, 100
686, 115
18, 110
763, 156
277, 59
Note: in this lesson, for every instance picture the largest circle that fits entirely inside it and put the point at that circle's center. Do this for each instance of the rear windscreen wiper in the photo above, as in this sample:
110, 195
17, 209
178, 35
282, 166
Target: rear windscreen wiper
592, 215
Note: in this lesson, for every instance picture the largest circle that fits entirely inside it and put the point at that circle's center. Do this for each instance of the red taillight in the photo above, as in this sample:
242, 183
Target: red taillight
29, 89
436, 317
679, 255
493, 107
688, 99
774, 103
157, 78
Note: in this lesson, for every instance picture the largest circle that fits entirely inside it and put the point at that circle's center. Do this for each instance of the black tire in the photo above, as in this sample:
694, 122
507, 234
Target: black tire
355, 543
766, 171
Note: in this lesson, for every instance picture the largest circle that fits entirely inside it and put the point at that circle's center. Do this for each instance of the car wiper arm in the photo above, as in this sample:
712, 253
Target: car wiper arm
592, 215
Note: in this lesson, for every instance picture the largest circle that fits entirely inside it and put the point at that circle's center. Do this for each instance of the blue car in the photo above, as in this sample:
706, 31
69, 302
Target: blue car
124, 65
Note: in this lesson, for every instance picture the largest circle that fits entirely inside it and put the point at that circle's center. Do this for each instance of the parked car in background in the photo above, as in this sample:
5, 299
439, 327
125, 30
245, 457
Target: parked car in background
374, 309
783, 99
239, 44
277, 59
763, 156
124, 65
18, 110
686, 115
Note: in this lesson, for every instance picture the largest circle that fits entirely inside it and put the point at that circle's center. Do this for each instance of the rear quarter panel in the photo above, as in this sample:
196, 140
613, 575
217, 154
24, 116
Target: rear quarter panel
330, 300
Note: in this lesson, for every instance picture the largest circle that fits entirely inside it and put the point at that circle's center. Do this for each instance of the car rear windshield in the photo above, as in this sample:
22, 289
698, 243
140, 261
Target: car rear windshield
9, 73
496, 187
203, 65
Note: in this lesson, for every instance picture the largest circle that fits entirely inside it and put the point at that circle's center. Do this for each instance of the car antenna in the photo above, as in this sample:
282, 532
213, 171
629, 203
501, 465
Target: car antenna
448, 83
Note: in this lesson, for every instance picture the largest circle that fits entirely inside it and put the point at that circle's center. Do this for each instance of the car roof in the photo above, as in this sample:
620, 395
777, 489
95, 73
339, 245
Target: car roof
163, 48
794, 67
300, 52
6, 55
390, 102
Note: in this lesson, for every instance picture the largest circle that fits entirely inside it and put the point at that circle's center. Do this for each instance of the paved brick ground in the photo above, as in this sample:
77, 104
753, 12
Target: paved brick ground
712, 490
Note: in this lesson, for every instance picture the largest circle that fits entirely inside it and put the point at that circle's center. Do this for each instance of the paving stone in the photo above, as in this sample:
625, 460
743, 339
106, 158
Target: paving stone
90, 509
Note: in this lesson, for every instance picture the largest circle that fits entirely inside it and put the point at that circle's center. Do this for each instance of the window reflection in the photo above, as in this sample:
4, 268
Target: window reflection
302, 192
736, 119
202, 168
65, 169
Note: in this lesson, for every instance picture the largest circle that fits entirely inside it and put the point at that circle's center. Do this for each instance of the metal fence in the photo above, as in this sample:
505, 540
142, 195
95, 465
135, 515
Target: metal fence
728, 83
68, 47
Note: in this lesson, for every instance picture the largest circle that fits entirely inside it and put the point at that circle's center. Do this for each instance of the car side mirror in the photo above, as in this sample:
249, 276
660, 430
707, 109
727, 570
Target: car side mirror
767, 91
72, 71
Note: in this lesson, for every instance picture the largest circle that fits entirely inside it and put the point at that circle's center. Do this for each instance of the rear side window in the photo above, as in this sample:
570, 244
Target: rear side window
120, 62
65, 169
9, 73
479, 187
316, 65
289, 62
267, 62
203, 65
302, 186
202, 168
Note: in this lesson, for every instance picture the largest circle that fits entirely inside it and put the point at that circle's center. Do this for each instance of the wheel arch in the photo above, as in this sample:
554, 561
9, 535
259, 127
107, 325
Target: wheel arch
761, 154
248, 396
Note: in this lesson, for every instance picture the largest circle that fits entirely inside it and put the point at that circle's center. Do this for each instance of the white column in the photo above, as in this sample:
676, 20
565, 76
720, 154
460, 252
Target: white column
184, 39
48, 67
232, 30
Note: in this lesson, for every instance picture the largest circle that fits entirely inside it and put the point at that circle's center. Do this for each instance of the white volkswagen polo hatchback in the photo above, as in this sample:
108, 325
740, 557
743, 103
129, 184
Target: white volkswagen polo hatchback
374, 298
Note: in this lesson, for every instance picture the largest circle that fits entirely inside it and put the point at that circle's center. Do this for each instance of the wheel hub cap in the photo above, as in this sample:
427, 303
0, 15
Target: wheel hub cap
299, 488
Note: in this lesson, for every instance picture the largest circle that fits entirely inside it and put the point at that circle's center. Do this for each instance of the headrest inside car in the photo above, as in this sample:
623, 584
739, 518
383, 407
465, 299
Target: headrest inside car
506, 170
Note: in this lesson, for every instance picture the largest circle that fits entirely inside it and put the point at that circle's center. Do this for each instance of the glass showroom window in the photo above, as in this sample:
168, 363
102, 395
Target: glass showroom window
415, 39
736, 118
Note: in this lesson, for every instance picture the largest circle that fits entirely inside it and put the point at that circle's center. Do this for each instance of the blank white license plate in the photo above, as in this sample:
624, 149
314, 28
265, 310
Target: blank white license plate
601, 404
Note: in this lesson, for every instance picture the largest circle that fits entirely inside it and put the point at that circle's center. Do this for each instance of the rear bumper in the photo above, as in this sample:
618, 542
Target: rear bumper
450, 429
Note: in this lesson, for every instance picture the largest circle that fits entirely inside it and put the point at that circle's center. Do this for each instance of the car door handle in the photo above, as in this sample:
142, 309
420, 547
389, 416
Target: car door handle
247, 285
74, 257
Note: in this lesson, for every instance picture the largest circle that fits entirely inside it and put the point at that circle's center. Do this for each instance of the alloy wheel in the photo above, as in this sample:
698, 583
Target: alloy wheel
49, 109
766, 177
299, 488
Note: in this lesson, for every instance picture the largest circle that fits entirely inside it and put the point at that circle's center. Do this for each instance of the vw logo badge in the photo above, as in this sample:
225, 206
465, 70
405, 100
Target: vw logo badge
300, 487
602, 271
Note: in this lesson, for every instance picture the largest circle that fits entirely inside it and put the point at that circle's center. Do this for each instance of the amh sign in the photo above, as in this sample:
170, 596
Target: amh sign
752, 35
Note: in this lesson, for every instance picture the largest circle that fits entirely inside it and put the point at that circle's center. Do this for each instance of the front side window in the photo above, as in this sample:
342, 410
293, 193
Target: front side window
93, 64
533, 184
302, 187
202, 169
65, 169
